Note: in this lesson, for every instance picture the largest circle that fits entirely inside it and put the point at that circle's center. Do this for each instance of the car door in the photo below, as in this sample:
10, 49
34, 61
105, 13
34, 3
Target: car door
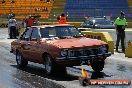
36, 49
24, 43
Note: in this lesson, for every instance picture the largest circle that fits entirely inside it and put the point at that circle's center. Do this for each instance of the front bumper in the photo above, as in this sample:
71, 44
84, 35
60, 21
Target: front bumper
81, 59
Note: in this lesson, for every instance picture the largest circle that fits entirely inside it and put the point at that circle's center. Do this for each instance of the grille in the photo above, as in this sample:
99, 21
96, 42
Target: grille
82, 52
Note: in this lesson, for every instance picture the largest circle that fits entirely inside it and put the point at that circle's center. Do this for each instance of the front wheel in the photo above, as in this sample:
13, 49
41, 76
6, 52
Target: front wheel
21, 62
97, 66
49, 65
52, 68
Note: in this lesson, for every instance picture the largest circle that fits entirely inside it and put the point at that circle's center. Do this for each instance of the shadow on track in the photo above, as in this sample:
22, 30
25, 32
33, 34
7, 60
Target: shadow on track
32, 70
96, 75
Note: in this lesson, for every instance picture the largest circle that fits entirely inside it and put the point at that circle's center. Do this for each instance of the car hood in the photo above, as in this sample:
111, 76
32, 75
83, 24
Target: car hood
75, 42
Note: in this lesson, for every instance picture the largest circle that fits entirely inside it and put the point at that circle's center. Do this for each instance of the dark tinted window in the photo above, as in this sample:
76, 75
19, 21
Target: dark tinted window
59, 31
35, 33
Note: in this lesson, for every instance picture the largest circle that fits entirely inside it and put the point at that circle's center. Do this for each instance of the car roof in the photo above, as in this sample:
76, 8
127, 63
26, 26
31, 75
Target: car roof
53, 25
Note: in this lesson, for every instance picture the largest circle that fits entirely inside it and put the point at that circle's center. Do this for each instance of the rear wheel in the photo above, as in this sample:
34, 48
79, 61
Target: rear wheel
21, 62
97, 66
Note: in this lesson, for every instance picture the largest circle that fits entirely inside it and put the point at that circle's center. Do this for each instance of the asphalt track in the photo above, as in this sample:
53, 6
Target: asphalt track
117, 66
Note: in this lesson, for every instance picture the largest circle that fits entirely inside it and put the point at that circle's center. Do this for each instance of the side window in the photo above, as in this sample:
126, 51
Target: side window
35, 34
52, 32
26, 35
48, 32
44, 32
91, 22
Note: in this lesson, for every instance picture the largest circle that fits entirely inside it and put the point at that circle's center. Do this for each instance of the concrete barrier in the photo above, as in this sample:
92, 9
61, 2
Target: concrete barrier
104, 36
128, 52
112, 33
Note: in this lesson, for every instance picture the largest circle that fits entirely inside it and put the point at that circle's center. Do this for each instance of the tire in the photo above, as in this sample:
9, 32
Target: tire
21, 62
97, 66
52, 68
49, 65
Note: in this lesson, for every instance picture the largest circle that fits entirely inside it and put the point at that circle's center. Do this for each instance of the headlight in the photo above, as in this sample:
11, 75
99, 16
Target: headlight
64, 53
103, 49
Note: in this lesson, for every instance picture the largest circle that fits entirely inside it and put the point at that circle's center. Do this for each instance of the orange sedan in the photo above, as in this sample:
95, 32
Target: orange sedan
58, 46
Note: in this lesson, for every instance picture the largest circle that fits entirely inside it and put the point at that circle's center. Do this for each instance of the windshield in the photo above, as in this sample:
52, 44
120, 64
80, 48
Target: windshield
103, 22
60, 31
